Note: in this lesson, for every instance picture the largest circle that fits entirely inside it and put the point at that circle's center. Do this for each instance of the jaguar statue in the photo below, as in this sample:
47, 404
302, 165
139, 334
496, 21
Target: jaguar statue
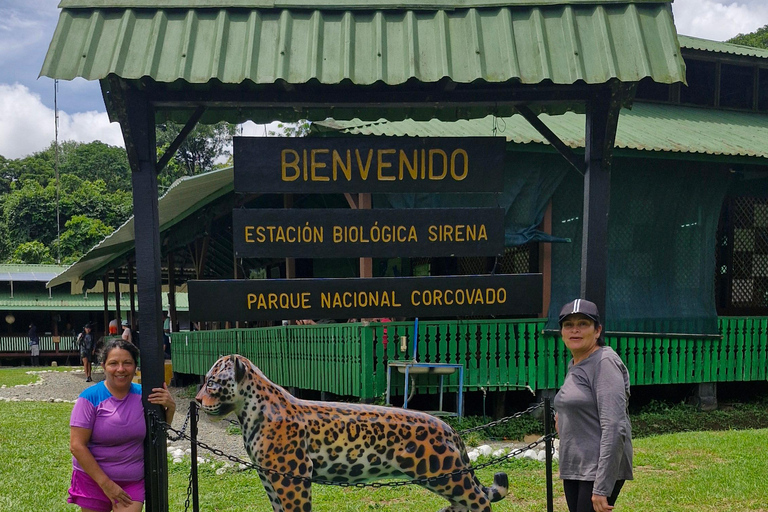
340, 442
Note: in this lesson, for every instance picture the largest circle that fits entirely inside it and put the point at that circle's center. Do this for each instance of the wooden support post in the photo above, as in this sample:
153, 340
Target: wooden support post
601, 121
132, 295
105, 285
137, 120
545, 262
116, 280
290, 263
172, 292
366, 264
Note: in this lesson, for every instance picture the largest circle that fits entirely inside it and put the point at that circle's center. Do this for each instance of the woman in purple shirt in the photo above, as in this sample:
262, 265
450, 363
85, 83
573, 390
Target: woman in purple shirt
592, 420
107, 431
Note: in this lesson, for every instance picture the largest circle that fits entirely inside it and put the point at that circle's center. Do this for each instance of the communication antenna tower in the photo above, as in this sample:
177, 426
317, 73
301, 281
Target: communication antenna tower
56, 166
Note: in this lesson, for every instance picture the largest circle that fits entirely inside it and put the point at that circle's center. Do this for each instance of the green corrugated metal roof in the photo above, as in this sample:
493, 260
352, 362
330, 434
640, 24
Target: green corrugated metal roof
29, 272
695, 43
366, 43
647, 127
185, 196
325, 4
63, 301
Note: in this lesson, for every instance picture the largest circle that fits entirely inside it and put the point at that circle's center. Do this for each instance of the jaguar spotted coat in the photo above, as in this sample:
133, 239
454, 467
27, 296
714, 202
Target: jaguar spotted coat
339, 442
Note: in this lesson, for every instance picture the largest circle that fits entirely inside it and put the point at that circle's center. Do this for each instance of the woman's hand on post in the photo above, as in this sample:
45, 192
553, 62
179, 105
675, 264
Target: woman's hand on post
161, 396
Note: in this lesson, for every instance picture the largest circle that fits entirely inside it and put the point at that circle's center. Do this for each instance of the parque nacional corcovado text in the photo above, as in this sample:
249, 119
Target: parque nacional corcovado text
376, 298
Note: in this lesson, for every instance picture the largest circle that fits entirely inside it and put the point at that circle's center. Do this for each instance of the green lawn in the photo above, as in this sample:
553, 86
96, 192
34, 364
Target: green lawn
692, 471
17, 375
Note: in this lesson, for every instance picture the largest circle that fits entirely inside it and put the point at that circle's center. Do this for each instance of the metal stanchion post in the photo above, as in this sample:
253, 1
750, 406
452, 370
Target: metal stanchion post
548, 446
193, 454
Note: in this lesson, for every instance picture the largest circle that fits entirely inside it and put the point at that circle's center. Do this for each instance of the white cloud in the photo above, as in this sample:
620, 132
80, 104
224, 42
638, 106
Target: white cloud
719, 21
26, 125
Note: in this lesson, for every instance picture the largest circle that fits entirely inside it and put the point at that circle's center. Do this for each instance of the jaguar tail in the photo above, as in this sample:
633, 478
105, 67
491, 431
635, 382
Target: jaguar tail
499, 489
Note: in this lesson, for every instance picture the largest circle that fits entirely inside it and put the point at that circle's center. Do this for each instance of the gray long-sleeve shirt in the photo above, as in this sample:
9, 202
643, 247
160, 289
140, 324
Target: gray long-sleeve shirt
594, 428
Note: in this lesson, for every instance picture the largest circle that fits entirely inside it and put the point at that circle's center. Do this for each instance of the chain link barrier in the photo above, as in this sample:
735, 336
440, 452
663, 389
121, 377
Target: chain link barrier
529, 410
180, 434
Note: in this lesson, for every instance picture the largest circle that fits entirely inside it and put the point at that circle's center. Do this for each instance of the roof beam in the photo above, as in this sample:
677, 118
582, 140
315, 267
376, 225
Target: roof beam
180, 138
553, 139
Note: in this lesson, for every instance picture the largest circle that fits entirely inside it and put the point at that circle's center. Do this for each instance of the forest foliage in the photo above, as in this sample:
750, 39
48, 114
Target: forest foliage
93, 192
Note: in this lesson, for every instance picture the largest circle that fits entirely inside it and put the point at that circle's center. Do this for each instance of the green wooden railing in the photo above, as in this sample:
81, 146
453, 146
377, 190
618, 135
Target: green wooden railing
20, 343
351, 359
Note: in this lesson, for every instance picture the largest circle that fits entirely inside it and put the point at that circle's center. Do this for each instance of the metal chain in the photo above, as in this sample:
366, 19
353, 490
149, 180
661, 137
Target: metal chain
183, 427
189, 493
530, 409
360, 485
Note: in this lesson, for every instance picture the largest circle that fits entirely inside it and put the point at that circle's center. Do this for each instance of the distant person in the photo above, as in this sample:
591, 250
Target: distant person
127, 333
113, 327
86, 343
34, 345
592, 419
166, 345
107, 431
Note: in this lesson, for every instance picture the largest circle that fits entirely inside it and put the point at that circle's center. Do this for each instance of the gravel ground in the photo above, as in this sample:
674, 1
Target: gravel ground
53, 386
62, 386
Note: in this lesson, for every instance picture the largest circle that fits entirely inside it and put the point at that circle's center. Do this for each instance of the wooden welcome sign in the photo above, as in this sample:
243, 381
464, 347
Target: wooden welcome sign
294, 299
346, 233
369, 165
310, 165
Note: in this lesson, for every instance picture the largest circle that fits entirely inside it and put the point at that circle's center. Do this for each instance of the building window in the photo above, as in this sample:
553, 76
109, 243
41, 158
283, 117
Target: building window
762, 91
737, 86
649, 90
702, 81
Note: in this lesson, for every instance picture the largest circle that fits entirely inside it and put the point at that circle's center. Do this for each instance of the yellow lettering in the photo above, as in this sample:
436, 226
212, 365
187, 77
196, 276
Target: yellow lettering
465, 170
325, 300
260, 234
413, 170
364, 169
315, 165
251, 299
249, 234
444, 158
285, 165
338, 163
384, 165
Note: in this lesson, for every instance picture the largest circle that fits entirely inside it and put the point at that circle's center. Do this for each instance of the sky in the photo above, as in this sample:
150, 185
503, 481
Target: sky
27, 102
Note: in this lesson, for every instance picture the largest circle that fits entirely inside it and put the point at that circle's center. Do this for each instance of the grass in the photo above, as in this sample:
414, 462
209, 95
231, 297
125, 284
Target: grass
683, 472
22, 375
686, 471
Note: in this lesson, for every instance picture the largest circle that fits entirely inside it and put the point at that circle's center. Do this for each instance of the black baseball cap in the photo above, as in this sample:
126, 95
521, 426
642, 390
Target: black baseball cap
582, 306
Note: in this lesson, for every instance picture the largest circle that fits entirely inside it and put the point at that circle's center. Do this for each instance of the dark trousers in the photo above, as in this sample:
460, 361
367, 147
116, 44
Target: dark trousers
578, 494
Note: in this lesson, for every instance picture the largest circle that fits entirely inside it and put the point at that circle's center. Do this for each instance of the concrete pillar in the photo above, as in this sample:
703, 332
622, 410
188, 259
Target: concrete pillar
705, 397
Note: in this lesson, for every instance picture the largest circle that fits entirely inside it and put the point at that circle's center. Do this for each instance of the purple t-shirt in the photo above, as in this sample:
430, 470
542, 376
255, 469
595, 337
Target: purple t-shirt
117, 431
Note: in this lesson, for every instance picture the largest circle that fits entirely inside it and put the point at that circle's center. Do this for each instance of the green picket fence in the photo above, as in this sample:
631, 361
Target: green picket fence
498, 355
20, 343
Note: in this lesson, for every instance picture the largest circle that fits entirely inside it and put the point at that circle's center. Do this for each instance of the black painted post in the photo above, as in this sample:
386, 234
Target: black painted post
193, 455
548, 446
142, 155
601, 121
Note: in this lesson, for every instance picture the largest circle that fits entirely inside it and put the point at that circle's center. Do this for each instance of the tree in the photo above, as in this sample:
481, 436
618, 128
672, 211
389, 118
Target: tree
756, 39
299, 129
80, 234
32, 252
97, 161
203, 146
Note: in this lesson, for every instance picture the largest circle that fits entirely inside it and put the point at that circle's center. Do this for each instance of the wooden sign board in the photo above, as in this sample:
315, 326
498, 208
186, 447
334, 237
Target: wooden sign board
294, 299
304, 165
344, 233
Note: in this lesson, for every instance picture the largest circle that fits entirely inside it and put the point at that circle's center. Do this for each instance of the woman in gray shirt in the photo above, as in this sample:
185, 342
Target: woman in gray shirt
592, 420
